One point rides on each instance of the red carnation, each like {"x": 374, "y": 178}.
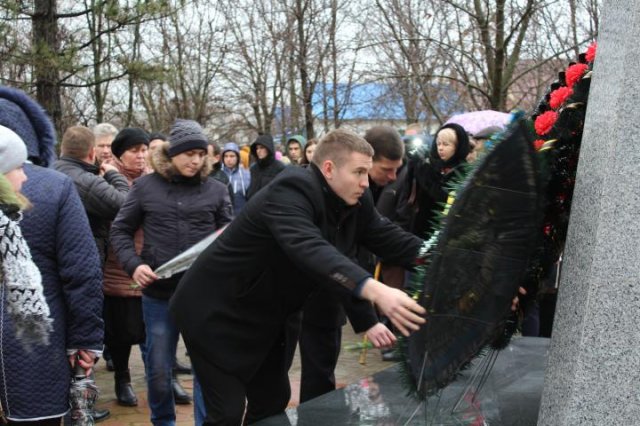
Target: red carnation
{"x": 559, "y": 96}
{"x": 537, "y": 144}
{"x": 591, "y": 51}
{"x": 544, "y": 123}
{"x": 574, "y": 73}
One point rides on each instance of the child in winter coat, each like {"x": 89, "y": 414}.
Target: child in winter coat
{"x": 446, "y": 160}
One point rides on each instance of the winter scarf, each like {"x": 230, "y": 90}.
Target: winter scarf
{"x": 129, "y": 173}
{"x": 20, "y": 280}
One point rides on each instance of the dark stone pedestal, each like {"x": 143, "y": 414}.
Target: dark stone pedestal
{"x": 509, "y": 397}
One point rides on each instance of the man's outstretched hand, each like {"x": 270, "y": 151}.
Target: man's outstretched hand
{"x": 380, "y": 336}
{"x": 404, "y": 312}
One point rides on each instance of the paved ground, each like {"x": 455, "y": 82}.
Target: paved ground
{"x": 349, "y": 370}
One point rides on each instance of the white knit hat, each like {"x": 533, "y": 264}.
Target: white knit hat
{"x": 13, "y": 151}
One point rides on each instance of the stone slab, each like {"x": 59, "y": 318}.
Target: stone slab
{"x": 510, "y": 397}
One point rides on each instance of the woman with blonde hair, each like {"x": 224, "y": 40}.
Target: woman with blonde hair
{"x": 25, "y": 318}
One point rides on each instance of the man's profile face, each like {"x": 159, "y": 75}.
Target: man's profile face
{"x": 351, "y": 179}
{"x": 103, "y": 148}
{"x": 213, "y": 158}
{"x": 294, "y": 150}
{"x": 383, "y": 171}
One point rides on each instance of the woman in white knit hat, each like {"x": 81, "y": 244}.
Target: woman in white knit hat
{"x": 24, "y": 313}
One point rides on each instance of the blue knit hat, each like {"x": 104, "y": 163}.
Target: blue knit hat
{"x": 186, "y": 135}
{"x": 28, "y": 120}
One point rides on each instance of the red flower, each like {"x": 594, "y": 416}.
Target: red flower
{"x": 591, "y": 51}
{"x": 537, "y": 144}
{"x": 574, "y": 73}
{"x": 559, "y": 96}
{"x": 544, "y": 123}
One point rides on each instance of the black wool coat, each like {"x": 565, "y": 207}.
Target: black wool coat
{"x": 323, "y": 309}
{"x": 233, "y": 302}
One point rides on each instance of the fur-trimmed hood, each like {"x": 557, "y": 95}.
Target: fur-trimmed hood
{"x": 161, "y": 164}
{"x": 29, "y": 120}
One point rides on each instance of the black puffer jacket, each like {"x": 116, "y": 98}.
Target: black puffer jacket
{"x": 264, "y": 170}
{"x": 175, "y": 213}
{"x": 101, "y": 196}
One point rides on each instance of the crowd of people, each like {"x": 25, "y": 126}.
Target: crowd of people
{"x": 83, "y": 234}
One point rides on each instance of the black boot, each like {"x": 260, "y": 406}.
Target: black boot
{"x": 180, "y": 396}
{"x": 100, "y": 415}
{"x": 124, "y": 391}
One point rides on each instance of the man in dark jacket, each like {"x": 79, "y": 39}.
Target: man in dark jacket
{"x": 177, "y": 206}
{"x": 302, "y": 233}
{"x": 323, "y": 315}
{"x": 266, "y": 166}
{"x": 102, "y": 189}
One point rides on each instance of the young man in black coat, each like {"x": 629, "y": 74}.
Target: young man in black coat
{"x": 303, "y": 232}
{"x": 323, "y": 315}
{"x": 266, "y": 166}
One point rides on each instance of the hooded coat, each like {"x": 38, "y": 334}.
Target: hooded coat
{"x": 433, "y": 178}
{"x": 303, "y": 143}
{"x": 239, "y": 179}
{"x": 36, "y": 386}
{"x": 234, "y": 301}
{"x": 263, "y": 170}
{"x": 174, "y": 212}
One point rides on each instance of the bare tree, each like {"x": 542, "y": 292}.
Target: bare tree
{"x": 276, "y": 66}
{"x": 480, "y": 50}
{"x": 256, "y": 62}
{"x": 404, "y": 36}
{"x": 68, "y": 48}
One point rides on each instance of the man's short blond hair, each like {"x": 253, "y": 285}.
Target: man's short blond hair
{"x": 338, "y": 145}
{"x": 77, "y": 142}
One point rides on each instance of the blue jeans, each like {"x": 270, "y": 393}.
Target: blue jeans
{"x": 199, "y": 411}
{"x": 161, "y": 343}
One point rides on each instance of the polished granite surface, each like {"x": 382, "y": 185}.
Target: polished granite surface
{"x": 510, "y": 396}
